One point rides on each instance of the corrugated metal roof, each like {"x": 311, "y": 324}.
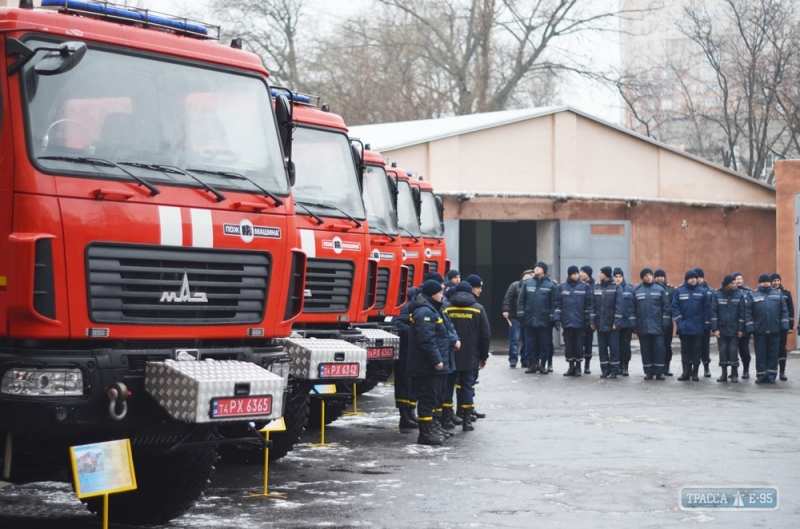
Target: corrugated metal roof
{"x": 393, "y": 136}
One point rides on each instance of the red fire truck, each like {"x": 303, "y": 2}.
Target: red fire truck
{"x": 341, "y": 279}
{"x": 431, "y": 221}
{"x": 149, "y": 243}
{"x": 408, "y": 207}
{"x": 380, "y": 199}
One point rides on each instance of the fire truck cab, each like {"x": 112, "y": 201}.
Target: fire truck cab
{"x": 341, "y": 278}
{"x": 431, "y": 223}
{"x": 408, "y": 207}
{"x": 149, "y": 243}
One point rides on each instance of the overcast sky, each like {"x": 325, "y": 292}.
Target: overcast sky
{"x": 576, "y": 92}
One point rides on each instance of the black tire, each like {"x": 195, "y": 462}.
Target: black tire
{"x": 168, "y": 486}
{"x": 333, "y": 410}
{"x": 366, "y": 385}
{"x": 296, "y": 417}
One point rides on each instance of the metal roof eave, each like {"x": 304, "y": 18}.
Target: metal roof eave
{"x": 563, "y": 197}
{"x": 546, "y": 111}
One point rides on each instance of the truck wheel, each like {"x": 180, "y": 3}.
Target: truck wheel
{"x": 366, "y": 385}
{"x": 333, "y": 410}
{"x": 296, "y": 417}
{"x": 168, "y": 486}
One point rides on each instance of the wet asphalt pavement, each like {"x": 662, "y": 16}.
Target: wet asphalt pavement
{"x": 552, "y": 452}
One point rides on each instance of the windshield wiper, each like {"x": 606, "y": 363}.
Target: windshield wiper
{"x": 316, "y": 217}
{"x": 410, "y": 234}
{"x": 329, "y": 206}
{"x": 238, "y": 176}
{"x": 174, "y": 170}
{"x": 104, "y": 163}
{"x": 382, "y": 232}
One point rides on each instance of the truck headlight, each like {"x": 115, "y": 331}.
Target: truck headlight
{"x": 42, "y": 382}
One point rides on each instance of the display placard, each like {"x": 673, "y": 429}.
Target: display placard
{"x": 102, "y": 468}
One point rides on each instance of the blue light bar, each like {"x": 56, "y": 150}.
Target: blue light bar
{"x": 131, "y": 15}
{"x": 298, "y": 98}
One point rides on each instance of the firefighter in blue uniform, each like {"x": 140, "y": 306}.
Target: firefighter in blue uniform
{"x": 536, "y": 307}
{"x": 472, "y": 325}
{"x": 776, "y": 284}
{"x": 652, "y": 314}
{"x": 627, "y": 323}
{"x": 442, "y": 413}
{"x": 574, "y": 311}
{"x": 691, "y": 308}
{"x": 428, "y": 349}
{"x": 705, "y": 344}
{"x": 588, "y": 338}
{"x": 767, "y": 317}
{"x": 608, "y": 316}
{"x": 660, "y": 277}
{"x": 404, "y": 399}
{"x": 744, "y": 341}
{"x": 727, "y": 324}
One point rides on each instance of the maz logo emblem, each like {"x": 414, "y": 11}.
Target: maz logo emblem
{"x": 185, "y": 295}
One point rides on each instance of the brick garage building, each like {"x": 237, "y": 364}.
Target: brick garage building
{"x": 557, "y": 185}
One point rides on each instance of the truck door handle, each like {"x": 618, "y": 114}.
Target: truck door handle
{"x": 251, "y": 205}
{"x": 100, "y": 194}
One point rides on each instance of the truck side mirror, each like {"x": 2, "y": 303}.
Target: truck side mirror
{"x": 283, "y": 112}
{"x": 440, "y": 209}
{"x": 416, "y": 194}
{"x": 393, "y": 191}
{"x": 60, "y": 59}
{"x": 360, "y": 167}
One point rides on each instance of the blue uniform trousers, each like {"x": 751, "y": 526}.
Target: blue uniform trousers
{"x": 466, "y": 389}
{"x": 608, "y": 348}
{"x": 652, "y": 348}
{"x": 537, "y": 344}
{"x": 767, "y": 346}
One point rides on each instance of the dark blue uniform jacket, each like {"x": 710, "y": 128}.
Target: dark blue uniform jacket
{"x": 536, "y": 303}
{"x": 727, "y": 312}
{"x": 607, "y": 306}
{"x": 574, "y": 305}
{"x": 767, "y": 312}
{"x": 652, "y": 310}
{"x": 691, "y": 308}
{"x": 428, "y": 339}
{"x": 472, "y": 325}
{"x": 628, "y": 312}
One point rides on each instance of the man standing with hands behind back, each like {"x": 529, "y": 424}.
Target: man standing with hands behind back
{"x": 536, "y": 308}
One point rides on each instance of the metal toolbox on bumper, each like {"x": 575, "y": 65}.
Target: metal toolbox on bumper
{"x": 310, "y": 355}
{"x": 378, "y": 342}
{"x": 196, "y": 391}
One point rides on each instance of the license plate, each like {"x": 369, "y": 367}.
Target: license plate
{"x": 349, "y": 370}
{"x": 240, "y": 406}
{"x": 380, "y": 352}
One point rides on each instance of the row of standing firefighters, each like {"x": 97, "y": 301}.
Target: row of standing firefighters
{"x": 616, "y": 311}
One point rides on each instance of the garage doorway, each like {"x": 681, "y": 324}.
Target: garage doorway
{"x": 498, "y": 251}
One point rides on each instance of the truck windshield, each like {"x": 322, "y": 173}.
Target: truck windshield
{"x": 406, "y": 214}
{"x": 144, "y": 113}
{"x": 326, "y": 174}
{"x": 381, "y": 215}
{"x": 429, "y": 217}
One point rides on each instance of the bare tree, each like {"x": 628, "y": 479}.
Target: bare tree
{"x": 270, "y": 29}
{"x": 740, "y": 115}
{"x": 488, "y": 48}
{"x": 371, "y": 72}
